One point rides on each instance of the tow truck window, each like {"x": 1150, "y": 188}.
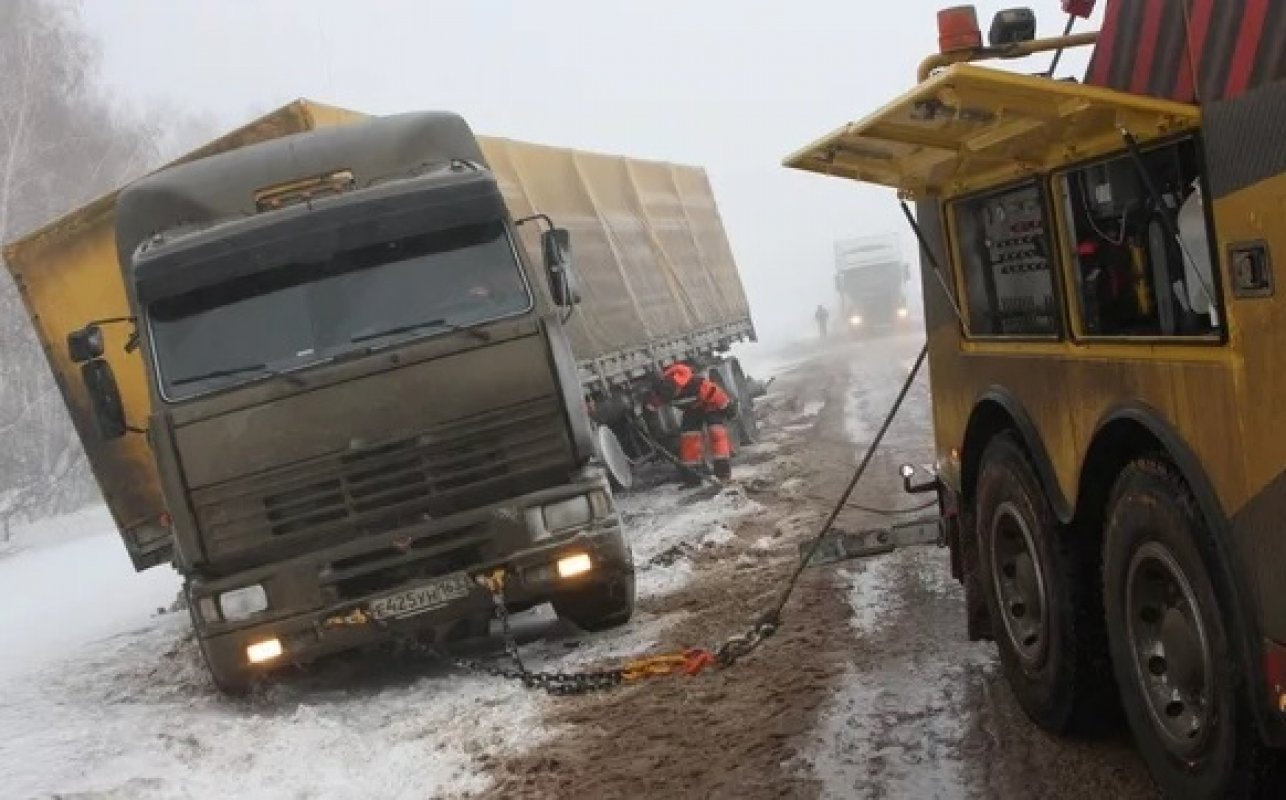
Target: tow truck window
{"x": 1142, "y": 263}
{"x": 1004, "y": 252}
{"x": 300, "y": 313}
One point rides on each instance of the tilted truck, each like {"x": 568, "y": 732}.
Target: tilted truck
{"x": 870, "y": 277}
{"x": 1105, "y": 351}
{"x": 330, "y": 368}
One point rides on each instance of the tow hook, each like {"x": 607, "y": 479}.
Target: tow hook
{"x": 909, "y": 471}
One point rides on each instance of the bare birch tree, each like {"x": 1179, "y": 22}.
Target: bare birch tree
{"x": 63, "y": 141}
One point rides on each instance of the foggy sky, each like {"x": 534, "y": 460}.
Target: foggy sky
{"x": 731, "y": 86}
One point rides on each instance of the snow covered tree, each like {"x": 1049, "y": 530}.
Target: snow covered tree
{"x": 63, "y": 141}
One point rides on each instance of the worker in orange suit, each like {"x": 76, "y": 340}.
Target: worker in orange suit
{"x": 706, "y": 407}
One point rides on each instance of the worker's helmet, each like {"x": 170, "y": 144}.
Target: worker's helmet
{"x": 679, "y": 374}
{"x": 667, "y": 383}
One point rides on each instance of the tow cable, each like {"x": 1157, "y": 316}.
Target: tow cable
{"x": 693, "y": 661}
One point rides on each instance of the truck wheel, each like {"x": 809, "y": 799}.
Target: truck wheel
{"x": 1041, "y": 596}
{"x": 1180, "y": 685}
{"x": 747, "y": 423}
{"x": 229, "y": 677}
{"x": 742, "y": 434}
{"x": 610, "y": 452}
{"x": 599, "y": 606}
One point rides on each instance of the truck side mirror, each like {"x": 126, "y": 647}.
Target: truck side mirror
{"x": 85, "y": 344}
{"x": 105, "y": 397}
{"x": 556, "y": 246}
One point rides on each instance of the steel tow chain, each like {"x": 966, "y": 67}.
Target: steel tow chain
{"x": 690, "y": 662}
{"x": 741, "y": 645}
{"x": 555, "y": 683}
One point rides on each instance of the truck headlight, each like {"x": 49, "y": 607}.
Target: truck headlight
{"x": 267, "y": 650}
{"x": 568, "y": 513}
{"x": 855, "y": 320}
{"x": 243, "y": 603}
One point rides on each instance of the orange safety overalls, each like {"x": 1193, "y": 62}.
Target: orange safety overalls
{"x": 705, "y": 407}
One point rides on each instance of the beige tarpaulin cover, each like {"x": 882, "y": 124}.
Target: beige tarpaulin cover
{"x": 648, "y": 245}
{"x": 647, "y": 242}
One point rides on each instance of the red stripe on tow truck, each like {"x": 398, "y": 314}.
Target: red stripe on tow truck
{"x": 1248, "y": 38}
{"x": 1147, "y": 46}
{"x": 1106, "y": 44}
{"x": 1196, "y": 38}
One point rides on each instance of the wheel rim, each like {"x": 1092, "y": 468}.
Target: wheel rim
{"x": 614, "y": 458}
{"x": 1168, "y": 640}
{"x": 1019, "y": 584}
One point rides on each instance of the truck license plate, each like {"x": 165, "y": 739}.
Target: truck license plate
{"x": 425, "y": 597}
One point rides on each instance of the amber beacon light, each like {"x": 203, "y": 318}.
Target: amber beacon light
{"x": 958, "y": 29}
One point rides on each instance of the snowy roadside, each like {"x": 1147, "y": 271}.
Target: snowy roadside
{"x": 122, "y": 707}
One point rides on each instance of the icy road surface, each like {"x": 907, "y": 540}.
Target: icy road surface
{"x": 869, "y": 690}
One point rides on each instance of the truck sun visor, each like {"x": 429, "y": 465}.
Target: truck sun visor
{"x": 303, "y": 234}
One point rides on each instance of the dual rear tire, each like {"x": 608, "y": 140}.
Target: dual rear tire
{"x": 1044, "y": 612}
{"x": 1137, "y": 626}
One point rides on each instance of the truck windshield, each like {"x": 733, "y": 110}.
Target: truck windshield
{"x": 286, "y": 317}
{"x": 872, "y": 277}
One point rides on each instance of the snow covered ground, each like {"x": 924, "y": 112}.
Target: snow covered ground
{"x": 67, "y": 581}
{"x": 105, "y": 695}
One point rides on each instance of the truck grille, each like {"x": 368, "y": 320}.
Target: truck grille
{"x": 443, "y": 470}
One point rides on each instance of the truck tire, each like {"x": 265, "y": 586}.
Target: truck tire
{"x": 1042, "y": 597}
{"x": 231, "y": 680}
{"x": 663, "y": 426}
{"x": 724, "y": 375}
{"x": 1182, "y": 690}
{"x": 747, "y": 422}
{"x": 598, "y": 606}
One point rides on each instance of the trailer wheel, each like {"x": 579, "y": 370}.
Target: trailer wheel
{"x": 599, "y": 606}
{"x": 743, "y": 428}
{"x": 1180, "y": 685}
{"x": 747, "y": 422}
{"x": 1038, "y": 589}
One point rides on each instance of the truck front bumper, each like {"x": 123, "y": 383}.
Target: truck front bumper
{"x": 321, "y": 603}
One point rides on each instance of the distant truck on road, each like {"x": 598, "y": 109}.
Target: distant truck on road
{"x": 337, "y": 367}
{"x": 870, "y": 276}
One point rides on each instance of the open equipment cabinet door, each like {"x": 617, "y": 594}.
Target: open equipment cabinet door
{"x": 970, "y": 128}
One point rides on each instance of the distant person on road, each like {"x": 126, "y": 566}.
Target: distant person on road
{"x": 706, "y": 408}
{"x": 823, "y": 317}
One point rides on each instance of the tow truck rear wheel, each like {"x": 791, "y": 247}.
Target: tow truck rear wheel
{"x": 1036, "y": 584}
{"x": 1181, "y": 688}
{"x": 598, "y": 606}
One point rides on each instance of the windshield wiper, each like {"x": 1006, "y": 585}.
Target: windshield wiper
{"x": 218, "y": 373}
{"x": 480, "y": 335}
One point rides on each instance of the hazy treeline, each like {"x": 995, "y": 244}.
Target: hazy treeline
{"x": 64, "y": 140}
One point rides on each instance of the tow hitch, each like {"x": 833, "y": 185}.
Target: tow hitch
{"x": 839, "y": 545}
